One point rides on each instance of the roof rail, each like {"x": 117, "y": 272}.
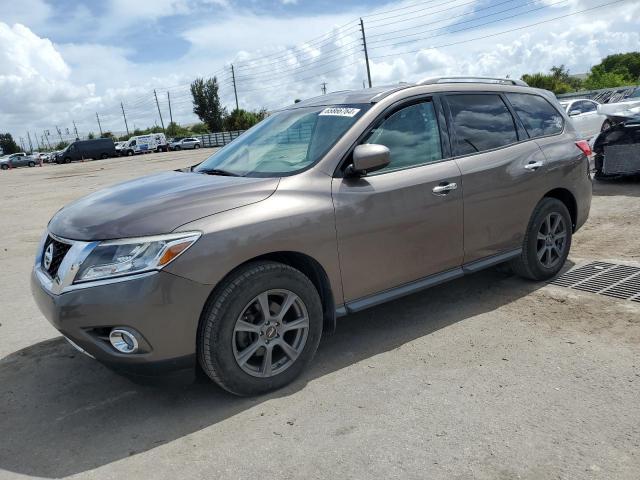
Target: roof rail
{"x": 499, "y": 81}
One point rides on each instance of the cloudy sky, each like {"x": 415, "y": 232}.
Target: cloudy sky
{"x": 63, "y": 61}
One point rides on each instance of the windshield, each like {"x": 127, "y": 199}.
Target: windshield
{"x": 635, "y": 94}
{"x": 284, "y": 143}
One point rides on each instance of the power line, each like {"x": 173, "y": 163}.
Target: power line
{"x": 549, "y": 5}
{"x": 395, "y": 54}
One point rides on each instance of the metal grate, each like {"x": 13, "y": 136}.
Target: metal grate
{"x": 610, "y": 279}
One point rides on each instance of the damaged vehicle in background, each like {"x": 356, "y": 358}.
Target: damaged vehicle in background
{"x": 617, "y": 149}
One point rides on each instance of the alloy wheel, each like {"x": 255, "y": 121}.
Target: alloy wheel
{"x": 552, "y": 240}
{"x": 270, "y": 333}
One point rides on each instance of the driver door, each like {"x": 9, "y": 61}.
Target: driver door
{"x": 392, "y": 226}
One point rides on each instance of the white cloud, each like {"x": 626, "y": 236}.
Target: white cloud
{"x": 43, "y": 83}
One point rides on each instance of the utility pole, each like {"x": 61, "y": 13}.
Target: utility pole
{"x": 158, "y": 105}
{"x": 46, "y": 135}
{"x": 366, "y": 52}
{"x": 169, "y": 100}
{"x": 125, "y": 119}
{"x": 30, "y": 144}
{"x": 59, "y": 133}
{"x": 99, "y": 126}
{"x": 324, "y": 88}
{"x": 75, "y": 129}
{"x": 35, "y": 135}
{"x": 235, "y": 89}
{"x": 22, "y": 144}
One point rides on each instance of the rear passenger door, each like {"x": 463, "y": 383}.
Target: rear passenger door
{"x": 502, "y": 173}
{"x": 587, "y": 122}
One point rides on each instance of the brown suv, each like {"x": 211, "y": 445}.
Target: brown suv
{"x": 328, "y": 207}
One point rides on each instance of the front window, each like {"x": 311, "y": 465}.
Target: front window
{"x": 284, "y": 143}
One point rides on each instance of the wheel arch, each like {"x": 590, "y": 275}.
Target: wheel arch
{"x": 569, "y": 200}
{"x": 312, "y": 269}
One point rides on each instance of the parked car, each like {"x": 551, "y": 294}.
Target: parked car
{"x": 585, "y": 116}
{"x": 119, "y": 146}
{"x": 87, "y": 149}
{"x": 15, "y": 160}
{"x": 154, "y": 142}
{"x": 329, "y": 207}
{"x": 186, "y": 143}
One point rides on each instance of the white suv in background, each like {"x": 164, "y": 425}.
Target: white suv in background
{"x": 585, "y": 117}
{"x": 186, "y": 143}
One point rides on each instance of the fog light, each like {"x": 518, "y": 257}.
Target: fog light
{"x": 123, "y": 341}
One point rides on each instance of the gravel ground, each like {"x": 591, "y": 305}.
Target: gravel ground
{"x": 487, "y": 377}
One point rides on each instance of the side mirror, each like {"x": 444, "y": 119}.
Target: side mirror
{"x": 369, "y": 158}
{"x": 573, "y": 113}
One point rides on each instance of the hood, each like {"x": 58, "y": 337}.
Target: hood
{"x": 620, "y": 111}
{"x": 156, "y": 204}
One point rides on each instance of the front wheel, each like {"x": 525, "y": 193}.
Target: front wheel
{"x": 4, "y": 166}
{"x": 606, "y": 125}
{"x": 196, "y": 146}
{"x": 32, "y": 164}
{"x": 546, "y": 243}
{"x": 260, "y": 329}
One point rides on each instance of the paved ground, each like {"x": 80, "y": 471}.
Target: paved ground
{"x": 488, "y": 377}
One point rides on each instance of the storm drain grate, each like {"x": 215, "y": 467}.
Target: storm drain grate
{"x": 610, "y": 279}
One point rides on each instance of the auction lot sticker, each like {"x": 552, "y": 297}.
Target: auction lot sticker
{"x": 340, "y": 112}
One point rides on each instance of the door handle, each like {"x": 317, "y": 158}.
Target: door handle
{"x": 444, "y": 188}
{"x": 533, "y": 166}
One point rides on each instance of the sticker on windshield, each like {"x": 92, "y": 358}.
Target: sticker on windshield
{"x": 340, "y": 112}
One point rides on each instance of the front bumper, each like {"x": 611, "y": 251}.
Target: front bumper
{"x": 164, "y": 309}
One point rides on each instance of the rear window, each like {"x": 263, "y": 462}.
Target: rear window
{"x": 480, "y": 122}
{"x": 538, "y": 116}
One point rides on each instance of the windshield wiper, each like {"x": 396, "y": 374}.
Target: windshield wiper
{"x": 218, "y": 171}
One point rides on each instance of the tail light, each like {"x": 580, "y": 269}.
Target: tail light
{"x": 585, "y": 147}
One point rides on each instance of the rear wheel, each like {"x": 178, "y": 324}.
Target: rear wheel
{"x": 32, "y": 164}
{"x": 547, "y": 241}
{"x": 4, "y": 166}
{"x": 104, "y": 156}
{"x": 196, "y": 146}
{"x": 606, "y": 125}
{"x": 177, "y": 147}
{"x": 67, "y": 160}
{"x": 260, "y": 329}
{"x": 129, "y": 153}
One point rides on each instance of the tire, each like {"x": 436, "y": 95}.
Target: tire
{"x": 219, "y": 338}
{"x": 196, "y": 146}
{"x": 104, "y": 156}
{"x": 32, "y": 164}
{"x": 129, "y": 153}
{"x": 67, "y": 160}
{"x": 176, "y": 147}
{"x": 530, "y": 264}
{"x": 4, "y": 166}
{"x": 606, "y": 125}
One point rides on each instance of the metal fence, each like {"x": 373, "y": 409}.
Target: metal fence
{"x": 605, "y": 95}
{"x": 219, "y": 139}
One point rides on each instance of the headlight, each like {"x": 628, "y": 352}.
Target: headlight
{"x": 115, "y": 258}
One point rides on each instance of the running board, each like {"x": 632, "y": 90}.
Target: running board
{"x": 424, "y": 283}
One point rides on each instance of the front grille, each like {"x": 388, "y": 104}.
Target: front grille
{"x": 59, "y": 250}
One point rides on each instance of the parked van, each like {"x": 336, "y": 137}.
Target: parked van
{"x": 155, "y": 142}
{"x": 87, "y": 149}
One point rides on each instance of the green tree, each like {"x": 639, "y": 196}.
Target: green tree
{"x": 8, "y": 144}
{"x": 558, "y": 80}
{"x": 175, "y": 130}
{"x": 206, "y": 103}
{"x": 599, "y": 78}
{"x": 107, "y": 135}
{"x": 91, "y": 136}
{"x": 240, "y": 119}
{"x": 625, "y": 64}
{"x": 61, "y": 145}
{"x": 198, "y": 128}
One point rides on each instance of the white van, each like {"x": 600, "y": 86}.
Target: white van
{"x": 154, "y": 142}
